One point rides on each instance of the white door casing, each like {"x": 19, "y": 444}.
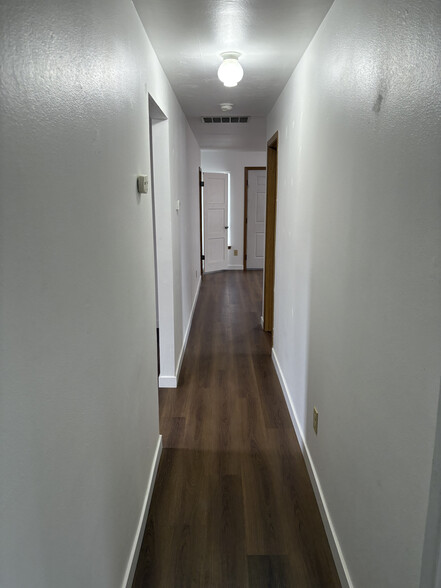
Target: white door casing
{"x": 215, "y": 199}
{"x": 256, "y": 206}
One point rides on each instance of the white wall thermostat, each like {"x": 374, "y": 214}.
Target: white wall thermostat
{"x": 143, "y": 184}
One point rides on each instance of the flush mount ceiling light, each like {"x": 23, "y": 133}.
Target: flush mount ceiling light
{"x": 230, "y": 71}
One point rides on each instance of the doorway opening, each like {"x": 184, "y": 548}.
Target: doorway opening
{"x": 270, "y": 234}
{"x": 162, "y": 239}
{"x": 201, "y": 224}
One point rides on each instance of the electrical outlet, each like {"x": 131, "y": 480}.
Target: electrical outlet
{"x": 236, "y": 252}
{"x": 315, "y": 420}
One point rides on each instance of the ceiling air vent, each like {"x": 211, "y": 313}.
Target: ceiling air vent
{"x": 224, "y": 119}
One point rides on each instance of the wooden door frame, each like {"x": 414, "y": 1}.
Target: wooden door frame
{"x": 245, "y": 213}
{"x": 200, "y": 221}
{"x": 270, "y": 233}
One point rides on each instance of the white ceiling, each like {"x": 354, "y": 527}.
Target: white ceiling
{"x": 245, "y": 137}
{"x": 189, "y": 35}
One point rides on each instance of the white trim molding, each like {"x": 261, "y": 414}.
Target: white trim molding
{"x": 167, "y": 382}
{"x": 136, "y": 547}
{"x": 334, "y": 543}
{"x": 172, "y": 381}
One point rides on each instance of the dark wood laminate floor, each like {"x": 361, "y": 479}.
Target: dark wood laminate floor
{"x": 232, "y": 505}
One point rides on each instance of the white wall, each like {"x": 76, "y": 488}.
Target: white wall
{"x": 78, "y": 388}
{"x": 189, "y": 233}
{"x": 358, "y": 257}
{"x": 234, "y": 163}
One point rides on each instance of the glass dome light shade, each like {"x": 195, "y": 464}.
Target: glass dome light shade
{"x": 230, "y": 71}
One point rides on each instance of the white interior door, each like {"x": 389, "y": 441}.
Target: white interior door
{"x": 215, "y": 200}
{"x": 256, "y": 218}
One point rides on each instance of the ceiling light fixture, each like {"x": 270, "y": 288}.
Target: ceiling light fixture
{"x": 230, "y": 71}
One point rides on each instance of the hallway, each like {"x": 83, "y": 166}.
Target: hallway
{"x": 232, "y": 504}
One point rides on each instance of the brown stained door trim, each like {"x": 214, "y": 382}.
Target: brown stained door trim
{"x": 270, "y": 233}
{"x": 245, "y": 213}
{"x": 200, "y": 221}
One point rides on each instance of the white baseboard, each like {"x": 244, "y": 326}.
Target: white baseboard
{"x": 334, "y": 544}
{"x": 172, "y": 381}
{"x": 168, "y": 382}
{"x": 235, "y": 267}
{"x": 136, "y": 547}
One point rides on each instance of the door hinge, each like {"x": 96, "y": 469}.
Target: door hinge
{"x": 202, "y": 184}
{"x": 203, "y": 257}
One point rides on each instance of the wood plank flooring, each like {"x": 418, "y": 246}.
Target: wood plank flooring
{"x": 232, "y": 505}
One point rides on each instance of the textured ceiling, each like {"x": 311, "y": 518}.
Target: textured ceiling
{"x": 189, "y": 35}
